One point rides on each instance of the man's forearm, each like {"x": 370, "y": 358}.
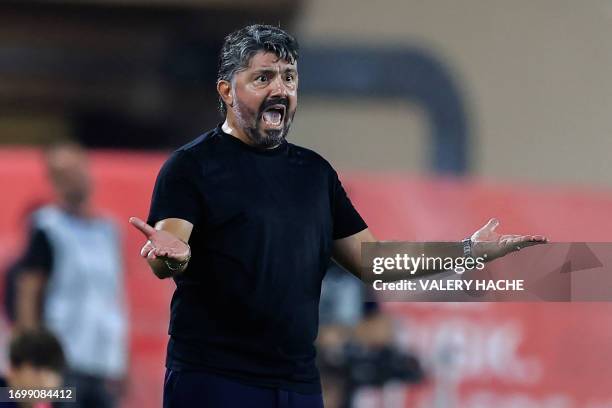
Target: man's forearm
{"x": 30, "y": 286}
{"x": 348, "y": 253}
{"x": 425, "y": 259}
{"x": 422, "y": 253}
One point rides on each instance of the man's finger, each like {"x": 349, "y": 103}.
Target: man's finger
{"x": 524, "y": 241}
{"x": 146, "y": 248}
{"x": 531, "y": 243}
{"x": 515, "y": 239}
{"x": 142, "y": 226}
{"x": 151, "y": 254}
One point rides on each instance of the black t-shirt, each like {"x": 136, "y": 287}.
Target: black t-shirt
{"x": 264, "y": 222}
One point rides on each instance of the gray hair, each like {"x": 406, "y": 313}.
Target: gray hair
{"x": 240, "y": 46}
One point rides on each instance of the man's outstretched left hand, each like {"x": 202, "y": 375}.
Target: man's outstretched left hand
{"x": 489, "y": 244}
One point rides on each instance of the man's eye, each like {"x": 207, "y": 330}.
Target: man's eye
{"x": 261, "y": 78}
{"x": 289, "y": 77}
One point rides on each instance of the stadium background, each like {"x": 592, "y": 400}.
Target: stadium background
{"x": 441, "y": 113}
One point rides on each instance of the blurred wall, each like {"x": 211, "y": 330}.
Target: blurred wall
{"x": 535, "y": 75}
{"x": 137, "y": 75}
{"x": 353, "y": 134}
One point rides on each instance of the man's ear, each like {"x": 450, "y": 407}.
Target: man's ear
{"x": 224, "y": 88}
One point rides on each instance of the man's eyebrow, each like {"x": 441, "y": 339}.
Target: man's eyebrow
{"x": 264, "y": 70}
{"x": 272, "y": 70}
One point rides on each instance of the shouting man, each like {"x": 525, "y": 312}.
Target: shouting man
{"x": 245, "y": 223}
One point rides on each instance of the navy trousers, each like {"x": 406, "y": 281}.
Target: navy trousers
{"x": 196, "y": 389}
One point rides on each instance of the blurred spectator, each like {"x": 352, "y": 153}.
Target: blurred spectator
{"x": 71, "y": 281}
{"x": 36, "y": 360}
{"x": 355, "y": 342}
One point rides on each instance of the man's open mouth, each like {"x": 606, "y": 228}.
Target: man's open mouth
{"x": 273, "y": 115}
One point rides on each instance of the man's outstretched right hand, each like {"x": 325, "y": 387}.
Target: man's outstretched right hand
{"x": 161, "y": 244}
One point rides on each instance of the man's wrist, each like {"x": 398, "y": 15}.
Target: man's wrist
{"x": 175, "y": 266}
{"x": 467, "y": 248}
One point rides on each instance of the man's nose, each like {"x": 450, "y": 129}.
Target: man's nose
{"x": 279, "y": 88}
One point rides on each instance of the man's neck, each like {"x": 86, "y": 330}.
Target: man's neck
{"x": 77, "y": 210}
{"x": 235, "y": 132}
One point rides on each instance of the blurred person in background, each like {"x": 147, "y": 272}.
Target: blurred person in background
{"x": 71, "y": 281}
{"x": 36, "y": 361}
{"x": 355, "y": 346}
{"x": 264, "y": 218}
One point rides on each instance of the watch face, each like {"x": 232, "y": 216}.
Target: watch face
{"x": 467, "y": 247}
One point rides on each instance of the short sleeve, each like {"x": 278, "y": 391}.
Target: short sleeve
{"x": 176, "y": 193}
{"x": 39, "y": 254}
{"x": 347, "y": 220}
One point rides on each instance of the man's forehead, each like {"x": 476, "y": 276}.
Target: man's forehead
{"x": 267, "y": 59}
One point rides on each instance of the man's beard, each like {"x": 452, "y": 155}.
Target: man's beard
{"x": 265, "y": 138}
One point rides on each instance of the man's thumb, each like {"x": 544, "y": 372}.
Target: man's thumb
{"x": 492, "y": 224}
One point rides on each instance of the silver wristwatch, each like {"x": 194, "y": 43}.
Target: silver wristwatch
{"x": 467, "y": 247}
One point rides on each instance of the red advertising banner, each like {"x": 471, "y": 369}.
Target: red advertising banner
{"x": 524, "y": 355}
{"x": 483, "y": 355}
